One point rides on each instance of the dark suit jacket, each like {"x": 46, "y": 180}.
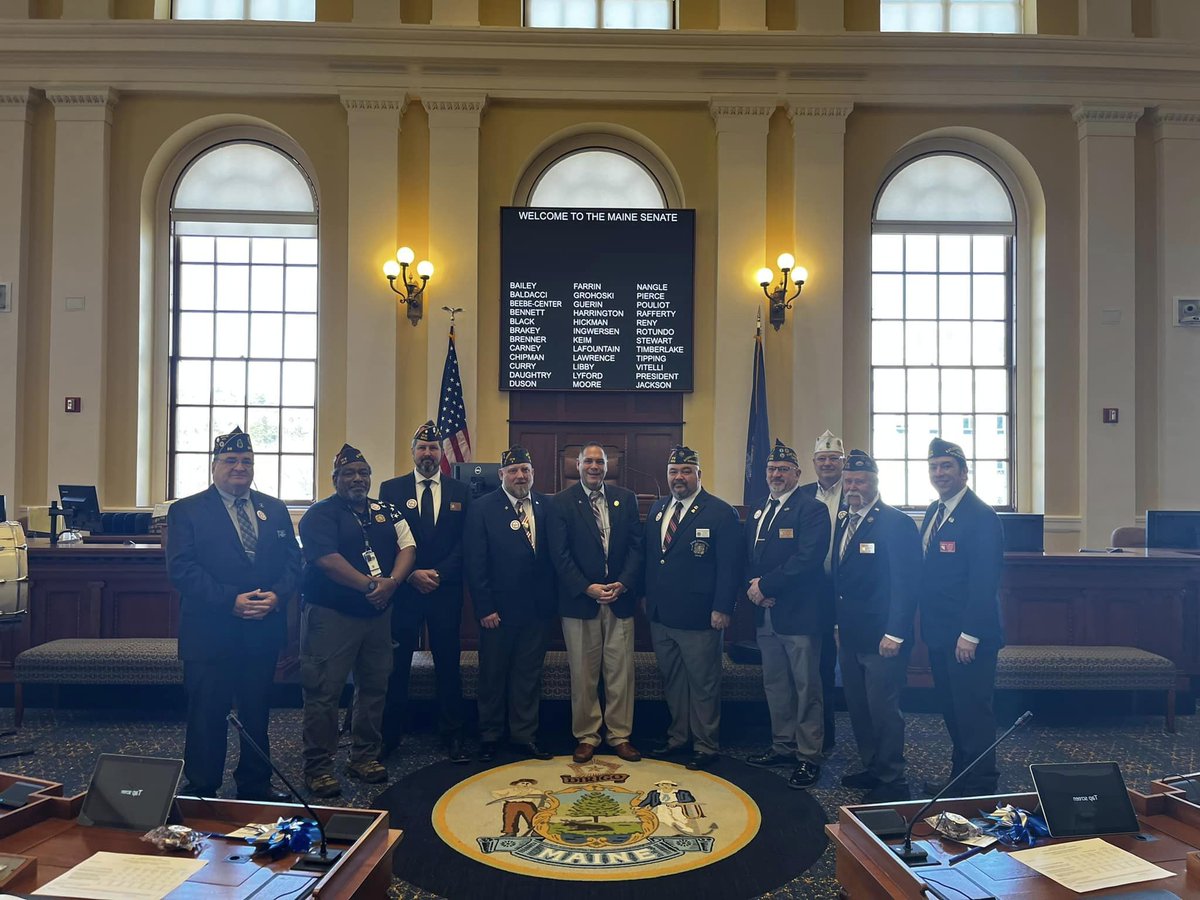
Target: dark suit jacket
{"x": 441, "y": 549}
{"x": 209, "y": 568}
{"x": 578, "y": 551}
{"x": 960, "y": 578}
{"x": 504, "y": 573}
{"x": 876, "y": 584}
{"x": 790, "y": 565}
{"x": 699, "y": 573}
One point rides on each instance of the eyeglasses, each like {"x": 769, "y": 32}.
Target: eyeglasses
{"x": 780, "y": 470}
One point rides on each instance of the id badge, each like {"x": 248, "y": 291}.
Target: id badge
{"x": 372, "y": 563}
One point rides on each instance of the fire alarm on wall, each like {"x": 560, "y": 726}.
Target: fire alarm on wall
{"x": 74, "y": 404}
{"x": 1110, "y": 415}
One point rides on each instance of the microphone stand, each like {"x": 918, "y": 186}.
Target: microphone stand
{"x": 316, "y": 859}
{"x": 916, "y": 856}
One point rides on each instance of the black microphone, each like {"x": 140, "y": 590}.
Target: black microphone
{"x": 657, "y": 485}
{"x": 917, "y": 856}
{"x": 316, "y": 858}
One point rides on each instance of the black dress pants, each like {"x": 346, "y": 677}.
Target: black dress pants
{"x": 965, "y": 694}
{"x": 446, "y": 647}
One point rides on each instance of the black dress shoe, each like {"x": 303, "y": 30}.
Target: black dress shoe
{"x": 390, "y": 746}
{"x": 769, "y": 758}
{"x": 666, "y": 748}
{"x": 860, "y": 781}
{"x": 268, "y": 795}
{"x": 888, "y": 792}
{"x": 932, "y": 788}
{"x": 703, "y": 761}
{"x": 532, "y": 750}
{"x": 805, "y": 775}
{"x": 487, "y": 751}
{"x": 455, "y": 752}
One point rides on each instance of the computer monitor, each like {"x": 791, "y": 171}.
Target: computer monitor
{"x": 1023, "y": 532}
{"x": 1173, "y": 529}
{"x": 83, "y": 504}
{"x": 481, "y": 478}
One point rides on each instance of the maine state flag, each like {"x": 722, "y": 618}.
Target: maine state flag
{"x": 758, "y": 430}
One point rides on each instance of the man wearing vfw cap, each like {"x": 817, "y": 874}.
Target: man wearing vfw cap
{"x": 876, "y": 570}
{"x": 511, "y": 578}
{"x": 828, "y": 459}
{"x": 786, "y": 539}
{"x": 233, "y": 557}
{"x": 693, "y": 571}
{"x": 435, "y": 508}
{"x": 357, "y": 550}
{"x": 963, "y": 543}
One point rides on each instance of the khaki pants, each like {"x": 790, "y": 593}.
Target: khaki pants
{"x": 595, "y": 646}
{"x": 690, "y": 663}
{"x": 791, "y": 666}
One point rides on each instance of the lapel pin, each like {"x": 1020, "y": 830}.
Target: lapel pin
{"x": 658, "y": 518}
{"x": 616, "y": 503}
{"x": 758, "y": 514}
{"x": 261, "y": 515}
{"x": 514, "y": 525}
{"x": 376, "y": 506}
{"x": 380, "y": 518}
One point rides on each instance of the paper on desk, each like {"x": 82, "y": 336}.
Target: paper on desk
{"x": 123, "y": 876}
{"x": 1089, "y": 865}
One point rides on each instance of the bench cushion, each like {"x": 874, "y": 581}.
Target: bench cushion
{"x": 101, "y": 661}
{"x": 1055, "y": 667}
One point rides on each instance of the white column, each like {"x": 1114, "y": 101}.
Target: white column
{"x": 1177, "y": 20}
{"x": 818, "y": 130}
{"x": 14, "y": 261}
{"x": 1105, "y": 18}
{"x": 87, "y": 9}
{"x": 455, "y": 12}
{"x": 741, "y": 125}
{"x": 1177, "y": 142}
{"x": 1106, "y": 319}
{"x": 376, "y": 12}
{"x": 742, "y": 15}
{"x": 374, "y": 136}
{"x": 820, "y": 16}
{"x": 79, "y": 284}
{"x": 454, "y": 244}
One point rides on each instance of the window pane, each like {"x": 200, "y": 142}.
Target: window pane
{"x": 920, "y": 253}
{"x": 296, "y": 477}
{"x": 597, "y": 178}
{"x": 297, "y": 433}
{"x": 893, "y": 482}
{"x": 233, "y": 250}
{"x": 991, "y": 437}
{"x": 263, "y": 387}
{"x": 263, "y": 426}
{"x": 910, "y": 15}
{"x": 244, "y": 176}
{"x": 960, "y": 430}
{"x": 231, "y": 334}
{"x": 991, "y": 481}
{"x": 224, "y": 418}
{"x": 301, "y": 252}
{"x": 991, "y": 390}
{"x": 300, "y": 336}
{"x": 954, "y": 343}
{"x": 196, "y": 249}
{"x": 954, "y": 253}
{"x": 229, "y": 383}
{"x": 195, "y": 334}
{"x": 944, "y": 187}
{"x": 301, "y": 289}
{"x": 888, "y": 393}
{"x": 923, "y": 391}
{"x": 887, "y": 253}
{"x": 887, "y": 296}
{"x": 954, "y": 297}
{"x": 299, "y": 383}
{"x": 991, "y": 297}
{"x": 991, "y": 252}
{"x": 887, "y": 343}
{"x": 266, "y": 473}
{"x": 191, "y": 473}
{"x": 191, "y": 428}
{"x": 195, "y": 287}
{"x": 887, "y": 437}
{"x": 266, "y": 250}
{"x": 233, "y": 287}
{"x": 920, "y": 296}
{"x": 266, "y": 287}
{"x": 921, "y": 344}
{"x": 920, "y": 491}
{"x": 989, "y": 344}
{"x": 956, "y": 391}
{"x": 266, "y": 334}
{"x": 193, "y": 381}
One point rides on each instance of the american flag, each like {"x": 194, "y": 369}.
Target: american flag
{"x": 452, "y": 414}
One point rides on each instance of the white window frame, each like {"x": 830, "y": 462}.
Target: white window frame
{"x": 247, "y": 6}
{"x": 599, "y": 17}
{"x": 1022, "y": 12}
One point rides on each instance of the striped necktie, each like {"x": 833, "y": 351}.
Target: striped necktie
{"x": 672, "y": 525}
{"x": 523, "y": 519}
{"x": 246, "y": 528}
{"x": 851, "y": 527}
{"x": 931, "y": 534}
{"x": 597, "y": 497}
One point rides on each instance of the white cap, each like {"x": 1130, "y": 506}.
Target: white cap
{"x": 829, "y": 443}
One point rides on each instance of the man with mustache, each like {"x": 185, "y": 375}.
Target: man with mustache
{"x": 511, "y": 578}
{"x": 693, "y": 554}
{"x": 960, "y": 614}
{"x": 357, "y": 551}
{"x": 786, "y": 539}
{"x": 435, "y": 508}
{"x": 876, "y": 568}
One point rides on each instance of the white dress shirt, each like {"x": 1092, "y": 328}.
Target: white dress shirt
{"x": 435, "y": 488}
{"x": 782, "y": 502}
{"x": 669, "y": 511}
{"x": 951, "y": 505}
{"x": 230, "y": 508}
{"x": 530, "y": 519}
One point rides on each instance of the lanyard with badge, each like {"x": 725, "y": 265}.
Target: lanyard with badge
{"x": 368, "y": 554}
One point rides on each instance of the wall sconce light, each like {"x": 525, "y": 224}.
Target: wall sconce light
{"x": 411, "y": 294}
{"x": 780, "y": 301}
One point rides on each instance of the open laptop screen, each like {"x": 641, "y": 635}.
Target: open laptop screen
{"x": 131, "y": 792}
{"x": 1084, "y": 799}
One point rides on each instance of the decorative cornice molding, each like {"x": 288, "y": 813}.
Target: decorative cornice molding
{"x": 806, "y": 108}
{"x": 436, "y": 103}
{"x": 106, "y": 97}
{"x": 1085, "y": 114}
{"x": 360, "y": 103}
{"x": 1166, "y": 115}
{"x": 454, "y": 110}
{"x": 736, "y": 107}
{"x": 18, "y": 97}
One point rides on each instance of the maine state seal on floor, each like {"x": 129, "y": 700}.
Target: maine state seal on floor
{"x": 604, "y": 820}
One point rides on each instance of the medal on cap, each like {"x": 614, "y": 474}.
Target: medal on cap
{"x": 411, "y": 504}
{"x": 381, "y": 518}
{"x": 262, "y": 515}
{"x": 514, "y": 525}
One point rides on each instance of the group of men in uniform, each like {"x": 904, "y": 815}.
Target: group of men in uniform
{"x": 378, "y": 570}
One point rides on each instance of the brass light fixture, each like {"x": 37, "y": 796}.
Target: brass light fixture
{"x": 780, "y": 301}
{"x": 411, "y": 293}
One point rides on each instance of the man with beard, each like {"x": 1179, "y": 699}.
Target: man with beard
{"x": 357, "y": 551}
{"x": 786, "y": 539}
{"x": 511, "y": 579}
{"x": 596, "y": 540}
{"x": 693, "y": 569}
{"x": 876, "y": 567}
{"x": 435, "y": 508}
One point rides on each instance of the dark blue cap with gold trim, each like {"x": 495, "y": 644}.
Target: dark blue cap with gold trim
{"x": 938, "y": 447}
{"x": 515, "y": 456}
{"x": 237, "y": 441}
{"x": 858, "y": 461}
{"x": 428, "y": 432}
{"x": 347, "y": 455}
{"x": 783, "y": 453}
{"x": 683, "y": 456}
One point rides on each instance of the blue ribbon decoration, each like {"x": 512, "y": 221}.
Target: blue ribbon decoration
{"x": 294, "y": 835}
{"x": 1015, "y": 827}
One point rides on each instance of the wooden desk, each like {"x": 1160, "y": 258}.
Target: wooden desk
{"x": 868, "y": 869}
{"x": 46, "y": 829}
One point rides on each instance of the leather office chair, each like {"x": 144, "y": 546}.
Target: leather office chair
{"x": 1128, "y": 536}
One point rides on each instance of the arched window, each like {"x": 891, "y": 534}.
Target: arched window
{"x": 603, "y": 171}
{"x": 942, "y": 314}
{"x": 244, "y": 299}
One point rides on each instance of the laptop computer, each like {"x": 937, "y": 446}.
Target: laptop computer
{"x": 131, "y": 792}
{"x": 1083, "y": 799}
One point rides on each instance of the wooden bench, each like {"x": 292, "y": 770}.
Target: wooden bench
{"x": 96, "y": 661}
{"x": 1055, "y": 667}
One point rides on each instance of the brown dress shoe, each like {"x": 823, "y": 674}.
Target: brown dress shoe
{"x": 627, "y": 752}
{"x": 583, "y": 752}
